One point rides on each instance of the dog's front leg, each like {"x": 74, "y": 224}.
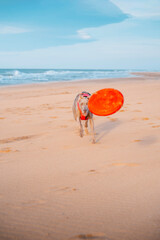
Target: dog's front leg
{"x": 81, "y": 127}
{"x": 92, "y": 129}
{"x": 86, "y": 127}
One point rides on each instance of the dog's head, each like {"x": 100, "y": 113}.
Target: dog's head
{"x": 83, "y": 104}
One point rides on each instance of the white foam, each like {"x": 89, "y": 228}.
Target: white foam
{"x": 50, "y": 72}
{"x": 16, "y": 73}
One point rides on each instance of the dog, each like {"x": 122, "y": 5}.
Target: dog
{"x": 82, "y": 113}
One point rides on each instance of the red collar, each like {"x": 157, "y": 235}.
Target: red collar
{"x": 82, "y": 116}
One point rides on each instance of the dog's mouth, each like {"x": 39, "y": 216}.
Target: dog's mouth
{"x": 85, "y": 113}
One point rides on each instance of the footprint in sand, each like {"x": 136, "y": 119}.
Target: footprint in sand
{"x": 44, "y": 148}
{"x": 113, "y": 119}
{"x": 5, "y": 150}
{"x": 13, "y": 139}
{"x": 68, "y": 189}
{"x": 54, "y": 117}
{"x": 90, "y": 236}
{"x": 8, "y": 150}
{"x": 156, "y": 126}
{"x": 137, "y": 140}
{"x": 63, "y": 189}
{"x": 92, "y": 170}
{"x": 145, "y": 118}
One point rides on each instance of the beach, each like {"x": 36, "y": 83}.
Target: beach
{"x": 56, "y": 185}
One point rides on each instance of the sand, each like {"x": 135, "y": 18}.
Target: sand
{"x": 56, "y": 185}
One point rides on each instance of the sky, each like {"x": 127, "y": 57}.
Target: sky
{"x": 90, "y": 34}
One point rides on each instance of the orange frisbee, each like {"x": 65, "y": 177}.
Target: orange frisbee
{"x": 105, "y": 102}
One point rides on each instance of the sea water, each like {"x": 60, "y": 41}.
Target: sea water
{"x": 27, "y": 76}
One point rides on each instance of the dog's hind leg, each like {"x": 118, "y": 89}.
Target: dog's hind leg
{"x": 81, "y": 127}
{"x": 74, "y": 110}
{"x": 92, "y": 129}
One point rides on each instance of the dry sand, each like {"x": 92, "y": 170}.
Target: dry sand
{"x": 56, "y": 185}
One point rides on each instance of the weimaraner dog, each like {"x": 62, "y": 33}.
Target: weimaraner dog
{"x": 82, "y": 113}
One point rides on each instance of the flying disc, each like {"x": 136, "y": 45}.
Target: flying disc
{"x": 105, "y": 102}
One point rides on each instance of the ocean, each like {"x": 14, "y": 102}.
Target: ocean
{"x": 28, "y": 76}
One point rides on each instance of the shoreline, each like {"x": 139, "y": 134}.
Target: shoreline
{"x": 136, "y": 76}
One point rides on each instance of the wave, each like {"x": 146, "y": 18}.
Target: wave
{"x": 16, "y": 73}
{"x": 52, "y": 72}
{"x": 12, "y": 73}
{"x": 20, "y": 76}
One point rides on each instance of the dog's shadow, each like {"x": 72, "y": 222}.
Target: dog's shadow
{"x": 104, "y": 128}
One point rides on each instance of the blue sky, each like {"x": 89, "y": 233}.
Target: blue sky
{"x": 80, "y": 34}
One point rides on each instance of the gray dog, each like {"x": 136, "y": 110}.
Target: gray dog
{"x": 81, "y": 112}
